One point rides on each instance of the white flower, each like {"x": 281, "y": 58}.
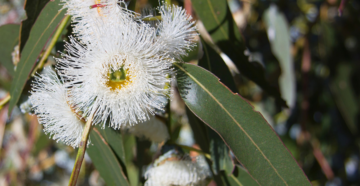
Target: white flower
{"x": 172, "y": 170}
{"x": 54, "y": 110}
{"x": 84, "y": 15}
{"x": 124, "y": 68}
{"x": 153, "y": 129}
{"x": 176, "y": 30}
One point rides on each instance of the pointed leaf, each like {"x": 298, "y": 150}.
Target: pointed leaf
{"x": 33, "y": 9}
{"x": 345, "y": 96}
{"x": 105, "y": 160}
{"x": 218, "y": 21}
{"x": 9, "y": 38}
{"x": 245, "y": 131}
{"x": 43, "y": 28}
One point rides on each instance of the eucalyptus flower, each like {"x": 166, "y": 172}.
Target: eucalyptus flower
{"x": 126, "y": 66}
{"x": 85, "y": 13}
{"x": 173, "y": 169}
{"x": 51, "y": 103}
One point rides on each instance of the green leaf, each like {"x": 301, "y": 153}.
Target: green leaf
{"x": 213, "y": 62}
{"x": 240, "y": 177}
{"x": 202, "y": 139}
{"x": 344, "y": 95}
{"x": 105, "y": 160}
{"x": 192, "y": 54}
{"x": 43, "y": 28}
{"x": 114, "y": 139}
{"x": 248, "y": 135}
{"x": 9, "y": 38}
{"x": 220, "y": 153}
{"x": 199, "y": 128}
{"x": 279, "y": 37}
{"x": 33, "y": 9}
{"x": 218, "y": 21}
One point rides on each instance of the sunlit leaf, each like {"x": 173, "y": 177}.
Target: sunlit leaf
{"x": 245, "y": 131}
{"x": 279, "y": 37}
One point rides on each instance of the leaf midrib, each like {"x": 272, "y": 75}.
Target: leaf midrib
{"x": 236, "y": 180}
{"x": 238, "y": 124}
{"x": 216, "y": 19}
{"x": 26, "y": 61}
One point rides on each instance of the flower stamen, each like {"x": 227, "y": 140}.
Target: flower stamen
{"x": 118, "y": 79}
{"x": 97, "y": 6}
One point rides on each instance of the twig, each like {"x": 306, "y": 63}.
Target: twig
{"x": 320, "y": 158}
{"x": 341, "y": 7}
{"x": 57, "y": 34}
{"x": 154, "y": 18}
{"x": 3, "y": 118}
{"x": 325, "y": 167}
{"x": 4, "y": 100}
{"x": 305, "y": 68}
{"x": 81, "y": 151}
{"x": 196, "y": 150}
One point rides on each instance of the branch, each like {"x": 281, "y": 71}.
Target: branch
{"x": 81, "y": 151}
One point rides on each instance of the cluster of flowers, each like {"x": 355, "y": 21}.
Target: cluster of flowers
{"x": 116, "y": 70}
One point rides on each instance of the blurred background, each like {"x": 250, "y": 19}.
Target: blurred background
{"x": 309, "y": 51}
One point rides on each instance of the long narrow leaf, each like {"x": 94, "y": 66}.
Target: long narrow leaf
{"x": 43, "y": 28}
{"x": 245, "y": 131}
{"x": 105, "y": 160}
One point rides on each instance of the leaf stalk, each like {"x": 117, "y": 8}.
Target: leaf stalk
{"x": 47, "y": 52}
{"x": 4, "y": 101}
{"x": 154, "y": 18}
{"x": 81, "y": 152}
{"x": 196, "y": 150}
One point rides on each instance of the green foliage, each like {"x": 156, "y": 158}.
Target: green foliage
{"x": 344, "y": 96}
{"x": 218, "y": 21}
{"x": 44, "y": 26}
{"x": 240, "y": 146}
{"x": 106, "y": 157}
{"x": 33, "y": 9}
{"x": 245, "y": 131}
{"x": 9, "y": 39}
{"x": 240, "y": 177}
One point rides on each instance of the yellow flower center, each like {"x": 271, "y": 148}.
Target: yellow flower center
{"x": 118, "y": 79}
